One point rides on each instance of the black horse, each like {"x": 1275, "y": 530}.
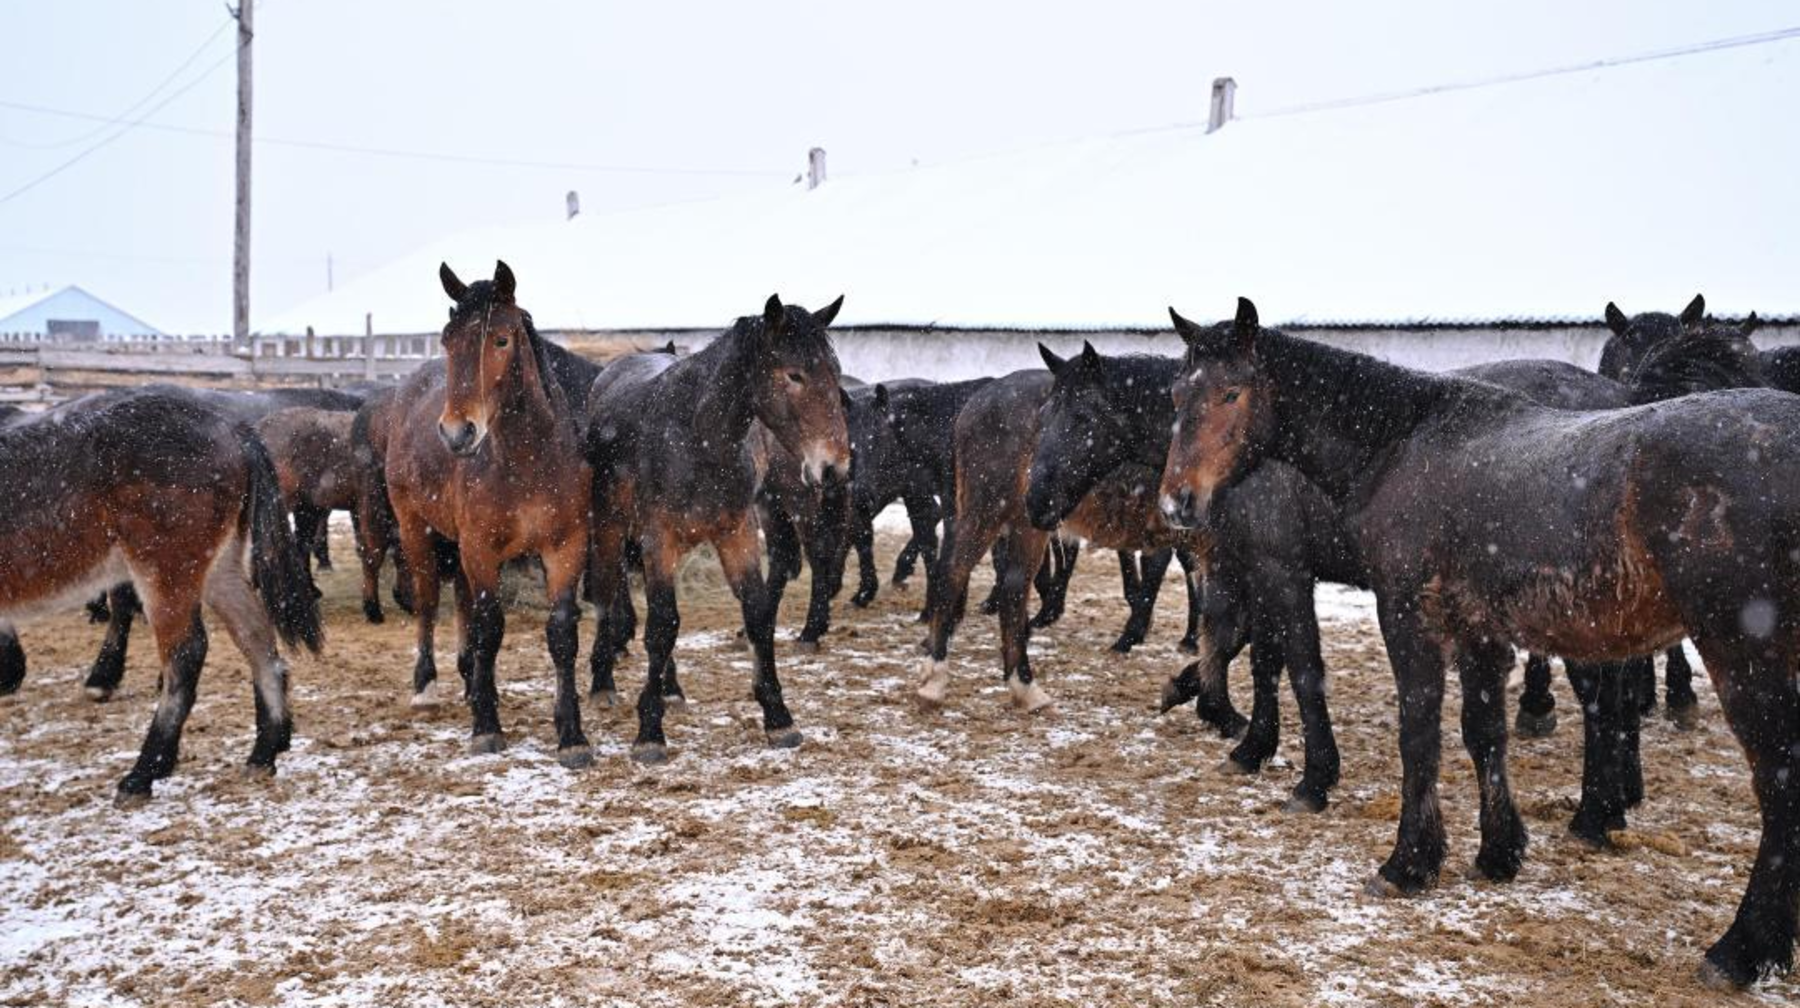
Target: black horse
{"x": 668, "y": 440}
{"x": 1489, "y": 522}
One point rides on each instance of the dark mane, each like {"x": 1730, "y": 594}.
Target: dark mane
{"x": 1695, "y": 360}
{"x": 479, "y": 299}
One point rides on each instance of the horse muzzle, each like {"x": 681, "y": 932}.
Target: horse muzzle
{"x": 462, "y": 438}
{"x": 1184, "y": 509}
{"x": 820, "y": 469}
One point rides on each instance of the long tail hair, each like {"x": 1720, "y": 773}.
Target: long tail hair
{"x": 277, "y": 565}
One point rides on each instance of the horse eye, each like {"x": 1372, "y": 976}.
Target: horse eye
{"x": 796, "y": 377}
{"x": 501, "y": 341}
{"x": 1231, "y": 395}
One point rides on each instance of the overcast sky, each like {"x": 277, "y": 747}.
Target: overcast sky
{"x": 718, "y": 96}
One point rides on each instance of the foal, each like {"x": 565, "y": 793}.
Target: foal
{"x": 1489, "y": 522}
{"x": 157, "y": 486}
{"x": 668, "y": 442}
{"x": 483, "y": 453}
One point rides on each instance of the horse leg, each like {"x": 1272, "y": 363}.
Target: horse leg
{"x": 371, "y": 550}
{"x": 822, "y": 556}
{"x": 923, "y": 514}
{"x": 1643, "y": 685}
{"x": 1267, "y": 654}
{"x": 482, "y": 622}
{"x": 307, "y": 520}
{"x": 1053, "y": 590}
{"x": 229, "y": 596}
{"x": 991, "y": 604}
{"x": 109, "y": 665}
{"x": 174, "y": 612}
{"x": 785, "y": 552}
{"x": 1306, "y": 676}
{"x": 945, "y": 592}
{"x": 1190, "y": 640}
{"x": 1222, "y": 630}
{"x": 1418, "y": 661}
{"x": 738, "y": 555}
{"x": 416, "y": 540}
{"x": 1131, "y": 585}
{"x": 868, "y": 583}
{"x": 1602, "y": 692}
{"x": 12, "y": 660}
{"x": 1537, "y": 706}
{"x": 1152, "y": 567}
{"x": 1754, "y": 680}
{"x": 1631, "y": 767}
{"x": 607, "y": 580}
{"x": 1482, "y": 668}
{"x": 563, "y": 566}
{"x": 662, "y": 622}
{"x": 1024, "y": 551}
{"x": 1683, "y": 707}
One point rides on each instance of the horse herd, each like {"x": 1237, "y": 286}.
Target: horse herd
{"x": 1596, "y": 517}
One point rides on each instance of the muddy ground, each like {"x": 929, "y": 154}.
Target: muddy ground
{"x": 1092, "y": 856}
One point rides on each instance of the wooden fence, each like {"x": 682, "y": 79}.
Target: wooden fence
{"x": 326, "y": 360}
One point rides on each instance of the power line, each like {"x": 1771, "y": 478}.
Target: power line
{"x": 134, "y": 106}
{"x": 104, "y": 141}
{"x": 417, "y": 155}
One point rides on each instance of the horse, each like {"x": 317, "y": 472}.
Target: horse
{"x": 157, "y": 486}
{"x": 668, "y": 443}
{"x": 483, "y": 453}
{"x": 885, "y": 470}
{"x": 996, "y": 436}
{"x": 316, "y": 463}
{"x": 799, "y": 520}
{"x": 1489, "y": 522}
{"x": 377, "y": 534}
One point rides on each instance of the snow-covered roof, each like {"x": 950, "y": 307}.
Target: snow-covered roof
{"x": 30, "y": 311}
{"x": 1537, "y": 200}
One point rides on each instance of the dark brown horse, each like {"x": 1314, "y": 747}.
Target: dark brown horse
{"x": 482, "y": 454}
{"x": 1489, "y": 522}
{"x": 668, "y": 441}
{"x": 158, "y": 487}
{"x": 317, "y": 466}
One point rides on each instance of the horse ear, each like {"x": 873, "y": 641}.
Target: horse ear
{"x": 774, "y": 317}
{"x": 452, "y": 286}
{"x": 1189, "y": 331}
{"x": 1616, "y": 320}
{"x": 1089, "y": 356}
{"x": 1695, "y": 311}
{"x": 669, "y": 348}
{"x": 824, "y": 315}
{"x": 1246, "y": 324}
{"x": 504, "y": 282}
{"x": 1051, "y": 361}
{"x": 881, "y": 397}
{"x": 1750, "y": 325}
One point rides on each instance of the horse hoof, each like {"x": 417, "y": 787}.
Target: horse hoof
{"x": 783, "y": 738}
{"x": 604, "y": 698}
{"x": 487, "y": 745}
{"x": 806, "y": 647}
{"x": 934, "y": 685}
{"x": 1304, "y": 805}
{"x": 1529, "y": 725}
{"x": 1713, "y": 977}
{"x": 259, "y": 771}
{"x": 1685, "y": 717}
{"x": 649, "y": 753}
{"x": 98, "y": 694}
{"x": 1380, "y": 888}
{"x": 1173, "y": 696}
{"x": 575, "y": 757}
{"x": 1232, "y": 768}
{"x": 1122, "y": 647}
{"x": 128, "y": 797}
{"x": 1029, "y": 698}
{"x": 427, "y": 698}
{"x": 674, "y": 703}
{"x": 372, "y": 612}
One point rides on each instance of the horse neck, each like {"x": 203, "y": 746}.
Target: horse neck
{"x": 1339, "y": 414}
{"x": 723, "y": 413}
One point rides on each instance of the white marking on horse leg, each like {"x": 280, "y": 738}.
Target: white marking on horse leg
{"x": 428, "y": 698}
{"x": 1028, "y": 698}
{"x": 934, "y": 683}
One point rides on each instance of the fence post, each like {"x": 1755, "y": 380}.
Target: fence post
{"x": 368, "y": 346}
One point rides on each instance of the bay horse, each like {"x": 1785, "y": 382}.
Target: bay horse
{"x": 996, "y": 435}
{"x": 1489, "y": 522}
{"x": 668, "y": 441}
{"x": 157, "y": 486}
{"x": 316, "y": 463}
{"x": 377, "y": 533}
{"x": 483, "y": 455}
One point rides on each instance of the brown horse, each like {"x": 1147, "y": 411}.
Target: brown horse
{"x": 669, "y": 443}
{"x": 159, "y": 487}
{"x": 482, "y": 453}
{"x": 316, "y": 465}
{"x": 377, "y": 534}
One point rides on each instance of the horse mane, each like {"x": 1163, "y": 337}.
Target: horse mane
{"x": 1699, "y": 359}
{"x": 1374, "y": 401}
{"x": 480, "y": 298}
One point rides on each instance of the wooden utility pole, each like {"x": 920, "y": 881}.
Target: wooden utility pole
{"x": 240, "y": 256}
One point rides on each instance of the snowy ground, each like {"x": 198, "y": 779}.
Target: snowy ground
{"x": 1093, "y": 856}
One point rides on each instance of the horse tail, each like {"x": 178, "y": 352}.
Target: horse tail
{"x": 277, "y": 564}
